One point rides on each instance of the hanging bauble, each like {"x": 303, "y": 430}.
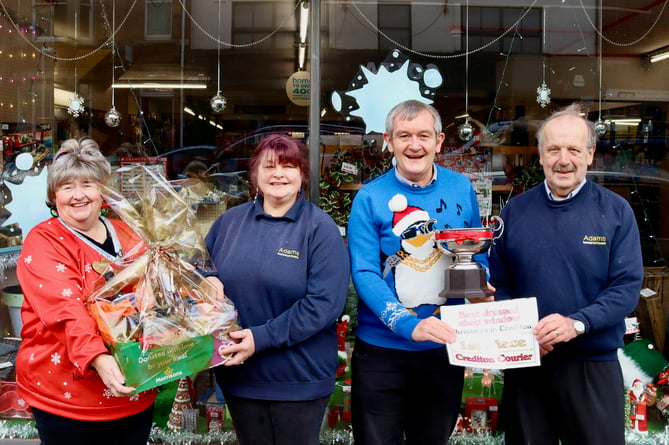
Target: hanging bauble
{"x": 466, "y": 131}
{"x": 112, "y": 117}
{"x": 601, "y": 128}
{"x": 217, "y": 102}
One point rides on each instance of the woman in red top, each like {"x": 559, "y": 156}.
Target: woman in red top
{"x": 65, "y": 373}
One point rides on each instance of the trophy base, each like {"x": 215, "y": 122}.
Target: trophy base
{"x": 464, "y": 283}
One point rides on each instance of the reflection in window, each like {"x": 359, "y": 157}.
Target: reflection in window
{"x": 158, "y": 19}
{"x": 255, "y": 21}
{"x": 394, "y": 22}
{"x": 61, "y": 19}
{"x": 487, "y": 23}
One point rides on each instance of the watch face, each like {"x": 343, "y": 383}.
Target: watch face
{"x": 579, "y": 327}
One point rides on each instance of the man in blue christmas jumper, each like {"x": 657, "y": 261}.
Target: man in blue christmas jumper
{"x": 402, "y": 381}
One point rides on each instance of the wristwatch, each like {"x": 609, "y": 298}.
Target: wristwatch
{"x": 579, "y": 327}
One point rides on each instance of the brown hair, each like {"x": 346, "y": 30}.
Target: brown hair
{"x": 286, "y": 150}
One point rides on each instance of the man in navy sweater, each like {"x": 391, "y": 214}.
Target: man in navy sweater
{"x": 575, "y": 247}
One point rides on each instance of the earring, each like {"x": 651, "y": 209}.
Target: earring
{"x": 54, "y": 212}
{"x": 104, "y": 210}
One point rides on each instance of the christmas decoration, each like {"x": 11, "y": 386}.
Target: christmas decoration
{"x": 75, "y": 105}
{"x": 369, "y": 161}
{"x": 112, "y": 117}
{"x": 182, "y": 401}
{"x": 543, "y": 94}
{"x": 217, "y": 102}
{"x": 466, "y": 131}
{"x": 640, "y": 360}
{"x": 639, "y": 399}
{"x": 601, "y": 128}
{"x": 375, "y": 90}
{"x": 482, "y": 414}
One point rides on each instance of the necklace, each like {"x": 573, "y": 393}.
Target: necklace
{"x": 420, "y": 265}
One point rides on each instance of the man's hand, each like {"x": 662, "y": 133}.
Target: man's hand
{"x": 433, "y": 329}
{"x": 553, "y": 329}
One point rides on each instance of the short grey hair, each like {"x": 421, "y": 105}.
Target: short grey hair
{"x": 408, "y": 110}
{"x": 574, "y": 110}
{"x": 76, "y": 159}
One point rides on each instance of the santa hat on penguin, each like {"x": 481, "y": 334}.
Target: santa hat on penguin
{"x": 405, "y": 215}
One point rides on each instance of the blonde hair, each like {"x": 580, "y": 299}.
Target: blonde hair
{"x": 76, "y": 159}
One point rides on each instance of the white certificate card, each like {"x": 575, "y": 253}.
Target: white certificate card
{"x": 496, "y": 335}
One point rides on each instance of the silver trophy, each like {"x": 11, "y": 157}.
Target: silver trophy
{"x": 465, "y": 278}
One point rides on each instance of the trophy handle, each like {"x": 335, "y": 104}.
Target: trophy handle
{"x": 497, "y": 226}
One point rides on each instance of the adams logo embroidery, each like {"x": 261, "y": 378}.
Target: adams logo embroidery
{"x": 289, "y": 253}
{"x": 595, "y": 240}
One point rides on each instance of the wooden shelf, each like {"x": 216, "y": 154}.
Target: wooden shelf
{"x": 501, "y": 187}
{"x": 351, "y": 186}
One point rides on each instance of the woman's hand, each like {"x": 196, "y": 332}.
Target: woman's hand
{"x": 218, "y": 284}
{"x": 111, "y": 375}
{"x": 240, "y": 351}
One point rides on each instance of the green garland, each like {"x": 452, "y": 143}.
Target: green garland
{"x": 370, "y": 162}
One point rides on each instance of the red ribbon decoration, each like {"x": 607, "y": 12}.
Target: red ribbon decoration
{"x": 462, "y": 235}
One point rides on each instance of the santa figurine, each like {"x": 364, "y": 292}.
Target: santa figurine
{"x": 640, "y": 399}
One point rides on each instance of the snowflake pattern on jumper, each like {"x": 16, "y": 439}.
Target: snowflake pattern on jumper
{"x": 392, "y": 314}
{"x": 55, "y": 358}
{"x": 60, "y": 267}
{"x": 67, "y": 292}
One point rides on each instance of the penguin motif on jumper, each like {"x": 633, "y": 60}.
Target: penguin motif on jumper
{"x": 419, "y": 265}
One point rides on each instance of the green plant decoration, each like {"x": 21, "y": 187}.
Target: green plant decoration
{"x": 370, "y": 162}
{"x": 531, "y": 175}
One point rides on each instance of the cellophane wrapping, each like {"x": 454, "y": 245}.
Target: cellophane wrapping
{"x": 160, "y": 317}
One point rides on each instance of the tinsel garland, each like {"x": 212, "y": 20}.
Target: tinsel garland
{"x": 13, "y": 429}
{"x": 659, "y": 438}
{"x": 169, "y": 437}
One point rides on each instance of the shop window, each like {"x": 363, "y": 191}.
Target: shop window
{"x": 486, "y": 24}
{"x": 158, "y": 19}
{"x": 395, "y": 23}
{"x": 61, "y": 20}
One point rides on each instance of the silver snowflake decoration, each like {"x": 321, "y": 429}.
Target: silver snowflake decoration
{"x": 76, "y": 105}
{"x": 543, "y": 94}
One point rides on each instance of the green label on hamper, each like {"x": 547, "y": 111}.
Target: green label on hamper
{"x": 162, "y": 364}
